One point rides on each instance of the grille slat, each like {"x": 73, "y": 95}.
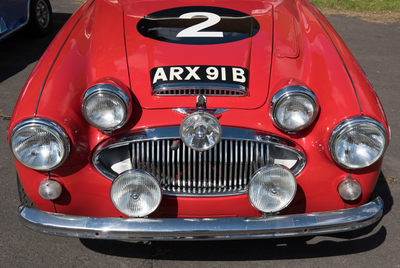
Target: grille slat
{"x": 163, "y": 163}
{"x": 215, "y": 167}
{"x": 134, "y": 156}
{"x": 230, "y": 175}
{"x": 173, "y": 162}
{"x": 168, "y": 163}
{"x": 236, "y": 167}
{"x": 158, "y": 159}
{"x": 153, "y": 163}
{"x": 143, "y": 166}
{"x": 205, "y": 177}
{"x": 225, "y": 161}
{"x": 137, "y": 156}
{"x": 251, "y": 158}
{"x": 240, "y": 165}
{"x": 200, "y": 187}
{"x": 246, "y": 164}
{"x": 189, "y": 170}
{"x": 178, "y": 163}
{"x": 183, "y": 168}
{"x": 210, "y": 177}
{"x": 262, "y": 159}
{"x": 220, "y": 179}
{"x": 194, "y": 169}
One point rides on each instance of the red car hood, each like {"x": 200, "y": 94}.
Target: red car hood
{"x": 252, "y": 53}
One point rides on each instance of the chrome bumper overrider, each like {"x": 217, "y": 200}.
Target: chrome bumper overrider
{"x": 204, "y": 228}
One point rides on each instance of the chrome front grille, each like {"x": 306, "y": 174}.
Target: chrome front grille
{"x": 225, "y": 169}
{"x": 183, "y": 170}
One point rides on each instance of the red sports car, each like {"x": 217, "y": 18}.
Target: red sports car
{"x": 163, "y": 120}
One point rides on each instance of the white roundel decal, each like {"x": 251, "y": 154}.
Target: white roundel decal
{"x": 198, "y": 25}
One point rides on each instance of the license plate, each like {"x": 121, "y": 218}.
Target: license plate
{"x": 229, "y": 75}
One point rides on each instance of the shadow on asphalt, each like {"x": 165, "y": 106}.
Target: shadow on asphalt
{"x": 382, "y": 189}
{"x": 264, "y": 249}
{"x": 245, "y": 250}
{"x": 21, "y": 49}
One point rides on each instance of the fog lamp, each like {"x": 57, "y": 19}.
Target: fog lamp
{"x": 349, "y": 189}
{"x": 272, "y": 188}
{"x": 50, "y": 189}
{"x": 200, "y": 131}
{"x": 136, "y": 193}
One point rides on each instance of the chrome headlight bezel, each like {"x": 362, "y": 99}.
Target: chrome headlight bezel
{"x": 50, "y": 126}
{"x": 291, "y": 91}
{"x": 347, "y": 125}
{"x": 113, "y": 91}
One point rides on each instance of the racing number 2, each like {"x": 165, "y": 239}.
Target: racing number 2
{"x": 198, "y": 25}
{"x": 194, "y": 31}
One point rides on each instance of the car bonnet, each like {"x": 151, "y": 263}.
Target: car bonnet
{"x": 199, "y": 45}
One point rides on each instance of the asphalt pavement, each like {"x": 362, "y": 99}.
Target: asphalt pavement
{"x": 375, "y": 45}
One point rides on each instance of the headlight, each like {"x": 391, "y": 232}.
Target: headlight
{"x": 272, "y": 188}
{"x": 358, "y": 142}
{"x": 136, "y": 193}
{"x": 200, "y": 131}
{"x": 39, "y": 144}
{"x": 106, "y": 107}
{"x": 294, "y": 108}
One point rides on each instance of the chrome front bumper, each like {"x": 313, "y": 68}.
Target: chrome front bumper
{"x": 204, "y": 228}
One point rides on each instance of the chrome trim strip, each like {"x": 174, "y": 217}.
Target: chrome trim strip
{"x": 320, "y": 223}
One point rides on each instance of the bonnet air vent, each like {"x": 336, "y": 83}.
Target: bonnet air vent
{"x": 206, "y": 89}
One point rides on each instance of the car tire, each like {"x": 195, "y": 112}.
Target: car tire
{"x": 40, "y": 17}
{"x": 23, "y": 197}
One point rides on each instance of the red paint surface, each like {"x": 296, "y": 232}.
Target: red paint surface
{"x": 291, "y": 48}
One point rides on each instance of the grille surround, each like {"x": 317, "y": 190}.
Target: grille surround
{"x": 218, "y": 172}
